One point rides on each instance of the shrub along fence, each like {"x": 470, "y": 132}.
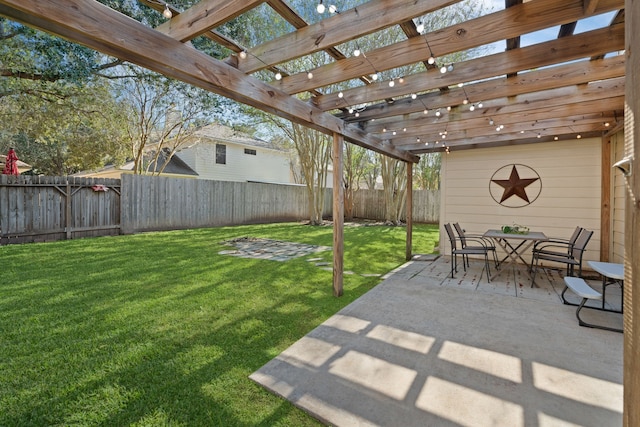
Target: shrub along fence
{"x": 53, "y": 208}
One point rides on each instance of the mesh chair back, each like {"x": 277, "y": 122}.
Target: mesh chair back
{"x": 574, "y": 236}
{"x": 460, "y": 232}
{"x": 581, "y": 244}
{"x": 452, "y": 237}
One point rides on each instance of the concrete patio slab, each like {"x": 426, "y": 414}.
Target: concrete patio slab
{"x": 423, "y": 349}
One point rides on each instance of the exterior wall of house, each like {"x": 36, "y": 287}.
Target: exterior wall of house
{"x": 618, "y": 191}
{"x": 569, "y": 189}
{"x": 265, "y": 166}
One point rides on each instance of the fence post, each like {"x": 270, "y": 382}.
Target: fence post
{"x": 68, "y": 209}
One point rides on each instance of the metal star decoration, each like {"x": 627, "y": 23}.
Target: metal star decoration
{"x": 514, "y": 186}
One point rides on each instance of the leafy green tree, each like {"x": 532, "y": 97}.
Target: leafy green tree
{"x": 61, "y": 128}
{"x": 394, "y": 181}
{"x": 426, "y": 173}
{"x": 355, "y": 163}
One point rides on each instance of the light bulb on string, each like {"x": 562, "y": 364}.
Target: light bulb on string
{"x": 420, "y": 27}
{"x": 320, "y": 8}
{"x": 443, "y": 69}
{"x": 340, "y": 95}
{"x": 278, "y": 76}
{"x": 243, "y": 54}
{"x": 309, "y": 75}
{"x": 374, "y": 76}
{"x": 167, "y": 12}
{"x": 356, "y": 52}
{"x": 333, "y": 8}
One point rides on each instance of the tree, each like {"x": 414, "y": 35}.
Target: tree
{"x": 162, "y": 116}
{"x": 394, "y": 180}
{"x": 427, "y": 172}
{"x": 314, "y": 152}
{"x": 355, "y": 162}
{"x": 61, "y": 128}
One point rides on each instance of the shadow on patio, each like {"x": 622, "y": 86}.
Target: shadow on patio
{"x": 422, "y": 349}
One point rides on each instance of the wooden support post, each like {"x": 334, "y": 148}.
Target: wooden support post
{"x": 338, "y": 216}
{"x": 631, "y": 382}
{"x": 409, "y": 252}
{"x": 605, "y": 209}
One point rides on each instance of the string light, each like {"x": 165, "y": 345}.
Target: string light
{"x": 167, "y": 12}
{"x": 309, "y": 75}
{"x": 243, "y": 54}
{"x": 320, "y": 8}
{"x": 278, "y": 76}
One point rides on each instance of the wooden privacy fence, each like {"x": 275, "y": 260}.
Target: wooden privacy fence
{"x": 56, "y": 208}
{"x": 159, "y": 203}
{"x": 44, "y": 208}
{"x": 369, "y": 204}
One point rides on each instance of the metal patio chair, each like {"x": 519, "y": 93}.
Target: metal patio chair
{"x": 487, "y": 243}
{"x": 560, "y": 246}
{"x": 479, "y": 249}
{"x": 572, "y": 259}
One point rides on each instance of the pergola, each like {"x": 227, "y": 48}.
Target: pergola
{"x": 574, "y": 85}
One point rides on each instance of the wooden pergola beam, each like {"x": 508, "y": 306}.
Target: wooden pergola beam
{"x": 527, "y": 17}
{"x": 203, "y": 16}
{"x": 407, "y": 109}
{"x": 365, "y": 19}
{"x": 101, "y": 28}
{"x": 529, "y": 118}
{"x": 529, "y": 127}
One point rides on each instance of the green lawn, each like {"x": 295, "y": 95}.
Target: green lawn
{"x": 159, "y": 329}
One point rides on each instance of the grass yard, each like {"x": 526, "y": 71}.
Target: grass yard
{"x": 158, "y": 329}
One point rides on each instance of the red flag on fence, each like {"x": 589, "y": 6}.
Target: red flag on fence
{"x": 11, "y": 163}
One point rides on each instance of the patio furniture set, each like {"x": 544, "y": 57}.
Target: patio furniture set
{"x": 514, "y": 242}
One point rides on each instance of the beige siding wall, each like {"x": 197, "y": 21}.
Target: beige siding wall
{"x": 569, "y": 196}
{"x": 267, "y": 165}
{"x": 618, "y": 200}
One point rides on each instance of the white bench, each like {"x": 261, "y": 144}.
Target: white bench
{"x": 581, "y": 288}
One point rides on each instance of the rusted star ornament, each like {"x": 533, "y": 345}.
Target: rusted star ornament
{"x": 514, "y": 186}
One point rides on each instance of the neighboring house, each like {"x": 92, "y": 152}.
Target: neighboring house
{"x": 217, "y": 152}
{"x": 175, "y": 168}
{"x": 220, "y": 153}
